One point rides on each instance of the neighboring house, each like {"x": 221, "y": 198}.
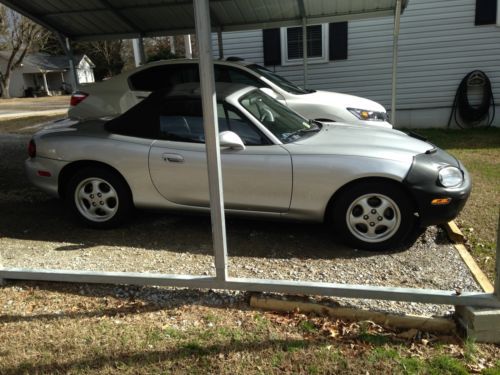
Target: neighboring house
{"x": 440, "y": 42}
{"x": 43, "y": 74}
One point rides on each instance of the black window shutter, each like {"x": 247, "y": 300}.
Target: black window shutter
{"x": 337, "y": 40}
{"x": 486, "y": 12}
{"x": 272, "y": 46}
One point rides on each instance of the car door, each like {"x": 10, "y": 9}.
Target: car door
{"x": 258, "y": 178}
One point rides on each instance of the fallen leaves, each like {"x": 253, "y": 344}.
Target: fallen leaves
{"x": 408, "y": 335}
{"x": 109, "y": 320}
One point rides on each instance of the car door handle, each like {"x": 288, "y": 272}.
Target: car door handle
{"x": 173, "y": 158}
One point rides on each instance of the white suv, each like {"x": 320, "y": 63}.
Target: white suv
{"x": 118, "y": 94}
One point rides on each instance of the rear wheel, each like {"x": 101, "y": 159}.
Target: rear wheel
{"x": 374, "y": 216}
{"x": 99, "y": 197}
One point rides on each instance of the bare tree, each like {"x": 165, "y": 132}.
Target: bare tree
{"x": 107, "y": 54}
{"x": 18, "y": 36}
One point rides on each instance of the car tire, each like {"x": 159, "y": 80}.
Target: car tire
{"x": 99, "y": 197}
{"x": 374, "y": 216}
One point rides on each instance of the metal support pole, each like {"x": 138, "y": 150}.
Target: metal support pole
{"x": 211, "y": 127}
{"x": 72, "y": 66}
{"x": 171, "y": 41}
{"x": 395, "y": 38}
{"x": 497, "y": 273}
{"x": 304, "y": 48}
{"x": 2, "y": 280}
{"x": 220, "y": 43}
{"x": 139, "y": 55}
{"x": 66, "y": 45}
{"x": 498, "y": 15}
{"x": 187, "y": 45}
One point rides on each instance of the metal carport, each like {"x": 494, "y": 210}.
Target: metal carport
{"x": 112, "y": 19}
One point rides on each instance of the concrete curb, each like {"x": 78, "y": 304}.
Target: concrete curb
{"x": 388, "y": 320}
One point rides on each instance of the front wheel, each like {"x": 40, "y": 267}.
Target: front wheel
{"x": 99, "y": 197}
{"x": 374, "y": 216}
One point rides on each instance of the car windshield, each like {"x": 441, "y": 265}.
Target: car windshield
{"x": 285, "y": 124}
{"x": 278, "y": 80}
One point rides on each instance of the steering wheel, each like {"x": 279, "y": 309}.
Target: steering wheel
{"x": 266, "y": 115}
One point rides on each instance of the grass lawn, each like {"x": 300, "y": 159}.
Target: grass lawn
{"x": 58, "y": 331}
{"x": 27, "y": 125}
{"x": 35, "y": 104}
{"x": 479, "y": 151}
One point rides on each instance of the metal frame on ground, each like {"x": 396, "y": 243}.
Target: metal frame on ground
{"x": 221, "y": 280}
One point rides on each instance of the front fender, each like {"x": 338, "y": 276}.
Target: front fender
{"x": 316, "y": 178}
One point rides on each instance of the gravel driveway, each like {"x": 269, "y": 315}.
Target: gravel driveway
{"x": 36, "y": 232}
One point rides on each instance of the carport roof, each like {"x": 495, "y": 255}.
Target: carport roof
{"x": 111, "y": 19}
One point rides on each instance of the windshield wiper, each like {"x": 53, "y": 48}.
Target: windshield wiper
{"x": 316, "y": 123}
{"x": 315, "y": 128}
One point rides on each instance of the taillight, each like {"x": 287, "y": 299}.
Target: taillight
{"x": 77, "y": 98}
{"x": 32, "y": 149}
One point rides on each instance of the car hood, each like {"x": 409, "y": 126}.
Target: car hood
{"x": 342, "y": 100}
{"x": 344, "y": 139}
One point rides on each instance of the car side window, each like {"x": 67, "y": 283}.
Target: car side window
{"x": 182, "y": 128}
{"x": 180, "y": 119}
{"x": 183, "y": 122}
{"x": 163, "y": 76}
{"x": 228, "y": 74}
{"x": 231, "y": 119}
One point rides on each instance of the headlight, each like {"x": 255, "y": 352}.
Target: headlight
{"x": 364, "y": 114}
{"x": 450, "y": 176}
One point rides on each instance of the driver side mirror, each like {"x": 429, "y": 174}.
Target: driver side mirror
{"x": 232, "y": 140}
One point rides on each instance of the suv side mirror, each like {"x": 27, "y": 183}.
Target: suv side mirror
{"x": 273, "y": 94}
{"x": 231, "y": 139}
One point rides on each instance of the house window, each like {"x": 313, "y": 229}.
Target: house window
{"x": 292, "y": 47}
{"x": 487, "y": 12}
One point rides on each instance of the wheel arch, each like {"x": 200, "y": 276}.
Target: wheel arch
{"x": 365, "y": 180}
{"x": 69, "y": 171}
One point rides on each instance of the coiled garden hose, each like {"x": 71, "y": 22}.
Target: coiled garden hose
{"x": 466, "y": 114}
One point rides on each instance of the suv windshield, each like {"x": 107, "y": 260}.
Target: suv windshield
{"x": 285, "y": 124}
{"x": 278, "y": 80}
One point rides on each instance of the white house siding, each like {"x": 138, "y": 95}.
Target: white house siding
{"x": 83, "y": 76}
{"x": 439, "y": 44}
{"x": 245, "y": 44}
{"x": 85, "y": 72}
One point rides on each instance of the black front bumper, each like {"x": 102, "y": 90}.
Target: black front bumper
{"x": 423, "y": 183}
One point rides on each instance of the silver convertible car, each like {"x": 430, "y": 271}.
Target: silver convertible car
{"x": 374, "y": 187}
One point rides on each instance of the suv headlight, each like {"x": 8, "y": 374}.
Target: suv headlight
{"x": 450, "y": 176}
{"x": 364, "y": 114}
